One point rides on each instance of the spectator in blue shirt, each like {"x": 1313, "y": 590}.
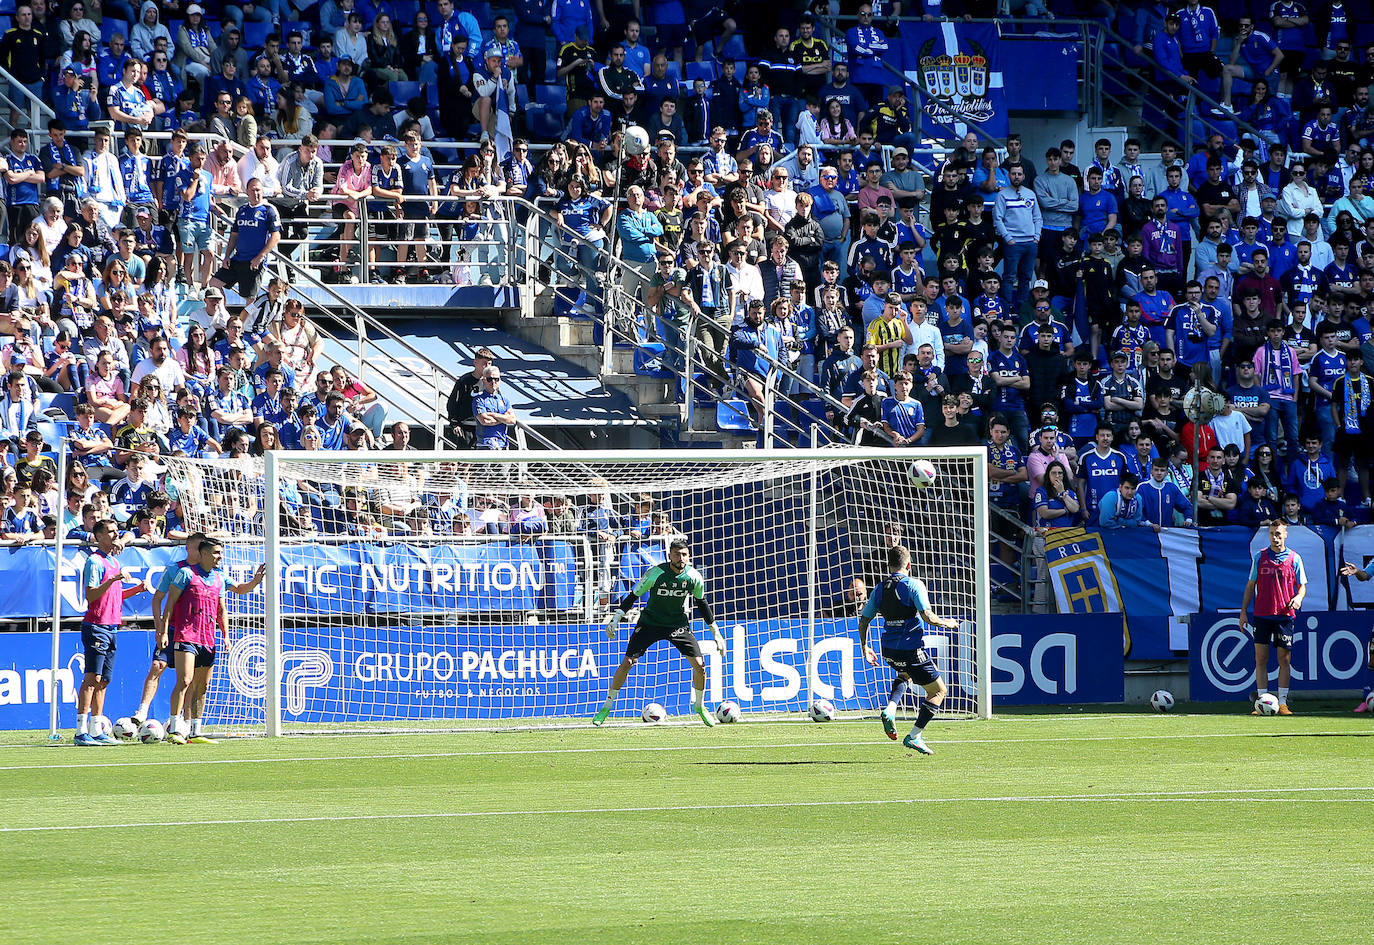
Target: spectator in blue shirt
{"x": 493, "y": 412}
{"x": 1160, "y": 498}
{"x": 1121, "y": 508}
{"x": 591, "y": 124}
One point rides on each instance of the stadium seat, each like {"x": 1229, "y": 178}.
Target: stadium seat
{"x": 648, "y": 360}
{"x": 701, "y": 70}
{"x": 255, "y": 34}
{"x": 733, "y": 49}
{"x": 732, "y": 416}
{"x": 300, "y": 26}
{"x": 673, "y": 72}
{"x": 109, "y": 27}
{"x": 552, "y": 96}
{"x": 403, "y": 11}
{"x": 543, "y": 121}
{"x": 8, "y": 7}
{"x": 402, "y": 92}
{"x": 4, "y": 24}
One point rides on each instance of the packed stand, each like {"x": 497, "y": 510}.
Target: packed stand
{"x": 776, "y": 214}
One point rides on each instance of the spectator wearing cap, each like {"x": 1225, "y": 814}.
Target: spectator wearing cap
{"x": 74, "y": 103}
{"x": 461, "y": 426}
{"x": 831, "y": 210}
{"x": 905, "y": 182}
{"x": 194, "y": 45}
{"x": 494, "y": 85}
{"x": 1046, "y": 452}
{"x": 492, "y": 412}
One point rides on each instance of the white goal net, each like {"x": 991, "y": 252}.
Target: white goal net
{"x": 410, "y": 591}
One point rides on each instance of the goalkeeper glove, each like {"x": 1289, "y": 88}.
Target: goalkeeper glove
{"x": 613, "y": 625}
{"x": 719, "y": 637}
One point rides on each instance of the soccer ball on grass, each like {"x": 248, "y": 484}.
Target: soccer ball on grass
{"x": 1162, "y": 700}
{"x": 1267, "y": 704}
{"x": 151, "y": 732}
{"x": 100, "y": 725}
{"x": 921, "y": 474}
{"x": 653, "y": 713}
{"x": 822, "y": 710}
{"x": 125, "y": 730}
{"x": 727, "y": 711}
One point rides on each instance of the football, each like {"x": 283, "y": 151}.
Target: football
{"x": 125, "y": 729}
{"x": 1162, "y": 700}
{"x": 151, "y": 732}
{"x": 727, "y": 711}
{"x": 921, "y": 474}
{"x": 182, "y": 728}
{"x": 822, "y": 710}
{"x": 1369, "y": 702}
{"x": 1267, "y": 704}
{"x": 653, "y": 712}
{"x": 100, "y": 725}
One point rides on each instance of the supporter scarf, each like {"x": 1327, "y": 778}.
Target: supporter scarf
{"x": 1356, "y": 403}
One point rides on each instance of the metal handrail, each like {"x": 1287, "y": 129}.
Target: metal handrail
{"x": 33, "y": 104}
{"x": 626, "y": 304}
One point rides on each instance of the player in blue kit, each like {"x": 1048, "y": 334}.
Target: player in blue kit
{"x": 904, "y": 605}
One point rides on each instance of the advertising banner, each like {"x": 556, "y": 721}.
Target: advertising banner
{"x": 1328, "y": 653}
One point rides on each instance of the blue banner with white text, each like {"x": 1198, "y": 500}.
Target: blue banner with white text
{"x": 524, "y": 670}
{"x": 956, "y": 68}
{"x": 1329, "y": 653}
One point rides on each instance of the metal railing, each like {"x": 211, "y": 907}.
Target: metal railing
{"x": 1014, "y": 553}
{"x": 29, "y": 104}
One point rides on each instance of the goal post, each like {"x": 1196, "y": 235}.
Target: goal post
{"x": 432, "y": 590}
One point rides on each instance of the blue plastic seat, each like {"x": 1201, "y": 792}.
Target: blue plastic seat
{"x": 552, "y": 95}
{"x": 299, "y": 26}
{"x": 110, "y": 26}
{"x": 701, "y": 70}
{"x": 402, "y": 92}
{"x": 255, "y": 34}
{"x": 732, "y": 416}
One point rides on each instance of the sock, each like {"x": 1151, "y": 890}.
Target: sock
{"x": 143, "y": 710}
{"x": 896, "y": 694}
{"x": 891, "y": 707}
{"x": 923, "y": 716}
{"x": 175, "y": 723}
{"x": 1260, "y": 693}
{"x": 1283, "y": 695}
{"x": 610, "y": 699}
{"x": 83, "y": 723}
{"x": 698, "y": 698}
{"x": 195, "y": 726}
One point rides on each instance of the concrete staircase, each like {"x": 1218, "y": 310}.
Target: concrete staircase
{"x": 655, "y": 399}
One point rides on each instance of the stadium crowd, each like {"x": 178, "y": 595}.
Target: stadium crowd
{"x": 779, "y": 215}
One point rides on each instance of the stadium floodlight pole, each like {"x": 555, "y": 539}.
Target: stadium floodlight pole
{"x": 54, "y": 693}
{"x": 271, "y": 522}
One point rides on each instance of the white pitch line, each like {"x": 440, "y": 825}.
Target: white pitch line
{"x": 618, "y": 749}
{"x": 1237, "y": 795}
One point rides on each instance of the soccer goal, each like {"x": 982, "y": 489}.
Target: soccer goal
{"x": 461, "y": 590}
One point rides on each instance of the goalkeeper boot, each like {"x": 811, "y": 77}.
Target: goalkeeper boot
{"x": 918, "y": 743}
{"x": 602, "y": 714}
{"x": 176, "y": 738}
{"x": 202, "y": 740}
{"x": 84, "y": 740}
{"x": 706, "y": 717}
{"x": 889, "y": 720}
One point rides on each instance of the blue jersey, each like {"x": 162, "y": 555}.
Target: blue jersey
{"x": 1096, "y": 208}
{"x": 900, "y": 600}
{"x": 168, "y": 169}
{"x": 137, "y": 170}
{"x": 1008, "y": 365}
{"x": 1102, "y": 474}
{"x": 26, "y": 193}
{"x": 1190, "y": 343}
{"x": 197, "y": 210}
{"x": 904, "y": 416}
{"x": 164, "y": 583}
{"x": 254, "y": 226}
{"x": 1008, "y": 457}
{"x": 1324, "y": 369}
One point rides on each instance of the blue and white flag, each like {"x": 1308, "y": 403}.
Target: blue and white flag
{"x": 1080, "y": 573}
{"x": 957, "y": 71}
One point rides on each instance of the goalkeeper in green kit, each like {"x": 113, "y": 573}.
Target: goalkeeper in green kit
{"x": 666, "y": 616}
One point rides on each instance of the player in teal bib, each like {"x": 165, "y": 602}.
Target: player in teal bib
{"x": 673, "y": 588}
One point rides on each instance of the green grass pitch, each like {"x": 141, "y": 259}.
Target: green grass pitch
{"x": 1077, "y": 827}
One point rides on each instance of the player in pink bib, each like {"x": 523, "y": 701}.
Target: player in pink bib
{"x": 196, "y": 615}
{"x": 104, "y": 581}
{"x": 1277, "y": 585}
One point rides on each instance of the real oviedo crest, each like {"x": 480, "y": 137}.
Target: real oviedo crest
{"x": 955, "y": 86}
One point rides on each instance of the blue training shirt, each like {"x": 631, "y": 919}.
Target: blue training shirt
{"x": 900, "y": 599}
{"x": 254, "y": 225}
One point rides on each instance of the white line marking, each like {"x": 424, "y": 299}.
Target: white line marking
{"x": 1238, "y": 795}
{"x": 613, "y": 749}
